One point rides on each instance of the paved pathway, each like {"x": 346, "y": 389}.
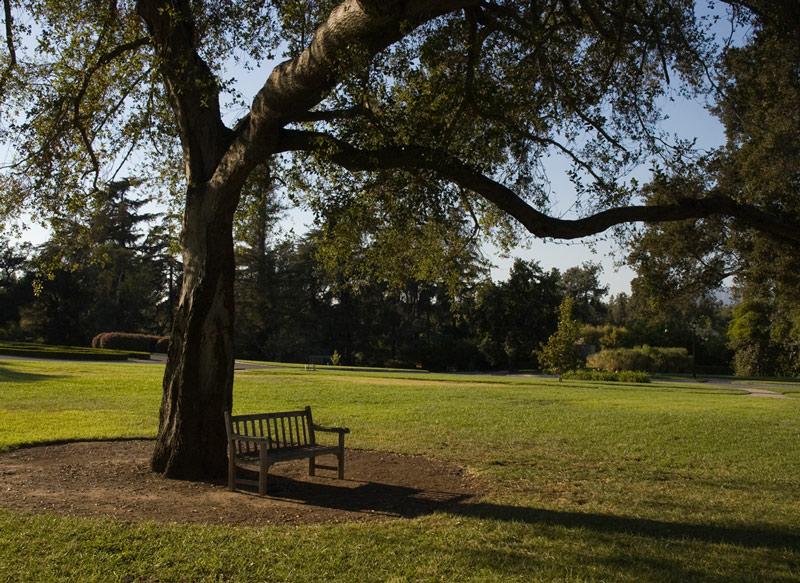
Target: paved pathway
{"x": 753, "y": 388}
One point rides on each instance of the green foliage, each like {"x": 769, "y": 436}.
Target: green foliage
{"x": 606, "y": 336}
{"x": 513, "y": 317}
{"x": 70, "y": 352}
{"x": 679, "y": 265}
{"x": 764, "y": 345}
{"x": 379, "y": 235}
{"x": 125, "y": 341}
{"x": 621, "y": 376}
{"x": 582, "y": 285}
{"x": 561, "y": 352}
{"x": 458, "y": 83}
{"x": 13, "y": 289}
{"x": 292, "y": 308}
{"x": 97, "y": 273}
{"x": 642, "y": 358}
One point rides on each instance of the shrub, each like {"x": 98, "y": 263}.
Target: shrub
{"x": 561, "y": 353}
{"x": 623, "y": 376}
{"x": 606, "y": 337}
{"x": 67, "y": 352}
{"x": 126, "y": 341}
{"x": 642, "y": 358}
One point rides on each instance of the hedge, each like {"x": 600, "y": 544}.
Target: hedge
{"x": 127, "y": 341}
{"x": 67, "y": 352}
{"x": 642, "y": 358}
{"x": 623, "y": 376}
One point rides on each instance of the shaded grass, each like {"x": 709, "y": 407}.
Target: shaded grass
{"x": 592, "y": 481}
{"x": 33, "y": 350}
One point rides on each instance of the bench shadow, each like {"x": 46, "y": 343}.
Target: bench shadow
{"x": 358, "y": 496}
{"x": 407, "y": 502}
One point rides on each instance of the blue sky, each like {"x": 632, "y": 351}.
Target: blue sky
{"x": 687, "y": 119}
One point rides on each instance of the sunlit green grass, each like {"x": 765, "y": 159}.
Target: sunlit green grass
{"x": 590, "y": 481}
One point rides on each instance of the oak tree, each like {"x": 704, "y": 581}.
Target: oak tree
{"x": 444, "y": 108}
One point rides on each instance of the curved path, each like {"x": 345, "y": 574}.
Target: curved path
{"x": 754, "y": 389}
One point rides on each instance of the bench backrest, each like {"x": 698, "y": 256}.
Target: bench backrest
{"x": 285, "y": 429}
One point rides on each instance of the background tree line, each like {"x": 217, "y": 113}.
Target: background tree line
{"x": 117, "y": 271}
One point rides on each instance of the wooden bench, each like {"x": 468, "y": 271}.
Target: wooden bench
{"x": 260, "y": 440}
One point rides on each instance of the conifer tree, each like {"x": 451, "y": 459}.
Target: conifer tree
{"x": 561, "y": 352}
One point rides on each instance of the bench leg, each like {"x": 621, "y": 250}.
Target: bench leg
{"x": 231, "y": 472}
{"x": 341, "y": 456}
{"x": 312, "y": 466}
{"x": 262, "y": 470}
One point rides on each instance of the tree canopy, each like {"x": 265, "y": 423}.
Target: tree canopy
{"x": 680, "y": 265}
{"x": 436, "y": 112}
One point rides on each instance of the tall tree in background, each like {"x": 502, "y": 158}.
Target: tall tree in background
{"x": 455, "y": 101}
{"x": 680, "y": 265}
{"x": 561, "y": 352}
{"x": 95, "y": 277}
{"x": 512, "y": 318}
{"x": 582, "y": 285}
{"x": 257, "y": 288}
{"x": 14, "y": 291}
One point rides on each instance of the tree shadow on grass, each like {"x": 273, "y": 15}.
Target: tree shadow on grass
{"x": 409, "y": 502}
{"x": 657, "y": 529}
{"x": 14, "y": 376}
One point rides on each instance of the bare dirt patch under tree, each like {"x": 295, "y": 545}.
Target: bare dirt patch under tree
{"x": 112, "y": 479}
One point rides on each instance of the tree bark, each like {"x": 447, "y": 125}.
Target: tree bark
{"x": 198, "y": 381}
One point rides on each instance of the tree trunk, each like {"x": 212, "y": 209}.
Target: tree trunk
{"x": 198, "y": 382}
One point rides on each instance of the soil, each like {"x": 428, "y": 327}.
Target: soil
{"x": 112, "y": 479}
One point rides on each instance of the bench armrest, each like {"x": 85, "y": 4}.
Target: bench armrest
{"x": 339, "y": 430}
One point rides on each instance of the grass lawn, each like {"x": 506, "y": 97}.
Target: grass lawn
{"x": 591, "y": 481}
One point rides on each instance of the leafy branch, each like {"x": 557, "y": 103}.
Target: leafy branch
{"x": 536, "y": 222}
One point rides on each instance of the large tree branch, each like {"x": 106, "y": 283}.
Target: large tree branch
{"x": 192, "y": 86}
{"x": 333, "y": 114}
{"x": 536, "y": 222}
{"x": 353, "y": 33}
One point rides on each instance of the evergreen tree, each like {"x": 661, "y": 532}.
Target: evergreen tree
{"x": 514, "y": 316}
{"x": 561, "y": 352}
{"x": 94, "y": 276}
{"x": 582, "y": 284}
